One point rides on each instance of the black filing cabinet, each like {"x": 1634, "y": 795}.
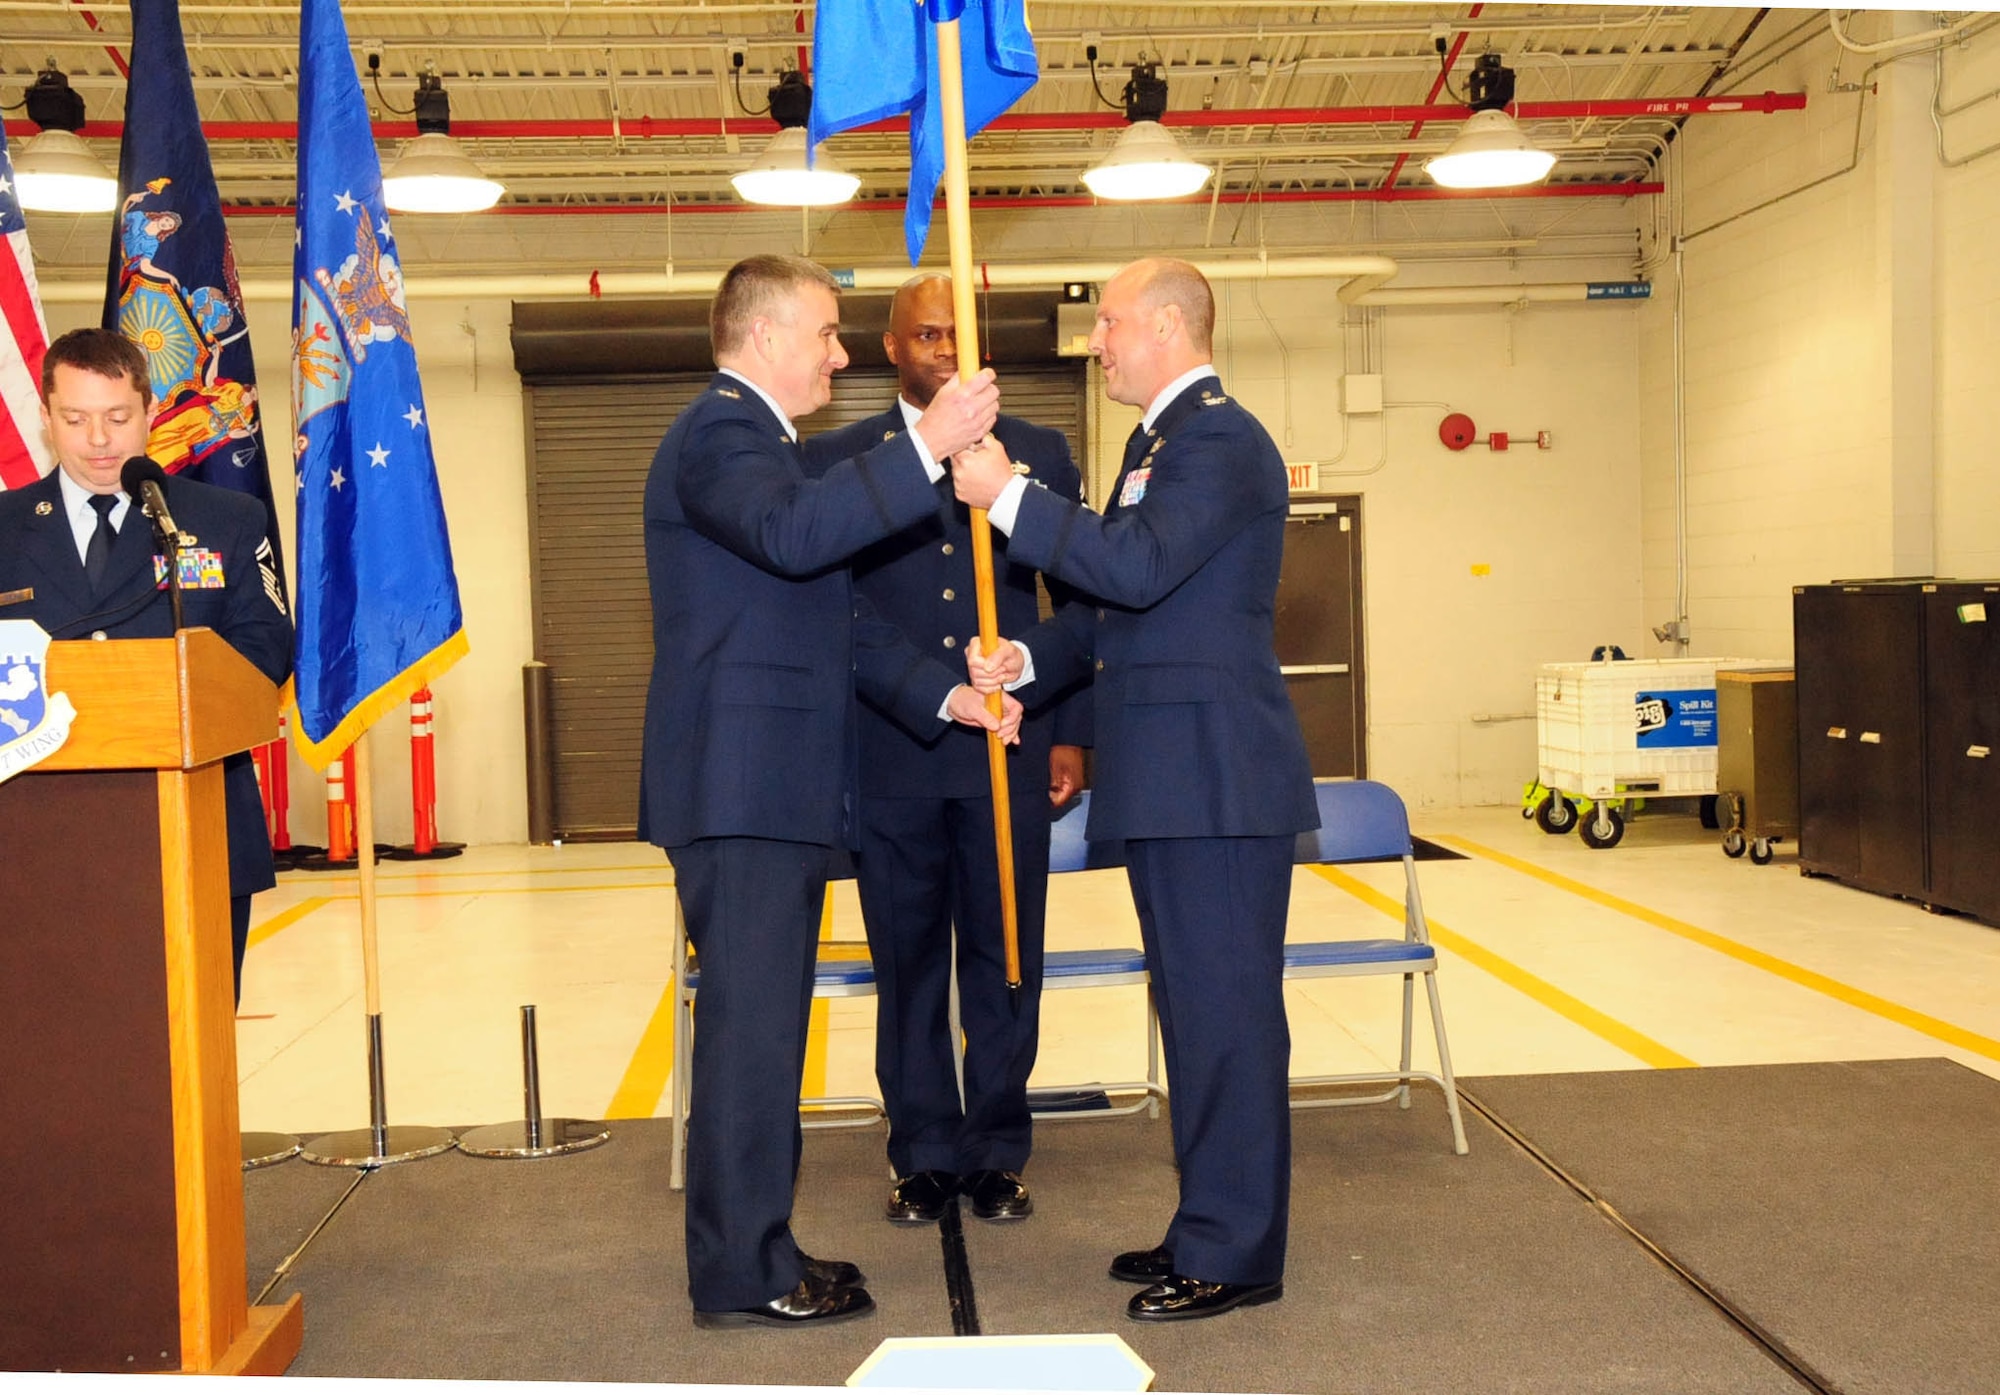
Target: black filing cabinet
{"x": 1859, "y": 651}
{"x": 1962, "y": 709}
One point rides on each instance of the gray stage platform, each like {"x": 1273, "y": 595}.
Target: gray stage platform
{"x": 1839, "y": 1210}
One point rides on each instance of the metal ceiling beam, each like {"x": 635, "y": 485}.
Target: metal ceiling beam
{"x": 638, "y": 127}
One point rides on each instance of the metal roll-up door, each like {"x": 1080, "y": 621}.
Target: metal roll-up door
{"x": 590, "y": 446}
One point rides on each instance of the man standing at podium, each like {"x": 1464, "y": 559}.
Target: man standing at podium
{"x": 85, "y": 555}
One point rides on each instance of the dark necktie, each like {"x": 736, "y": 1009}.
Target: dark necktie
{"x": 97, "y": 556}
{"x": 1135, "y": 444}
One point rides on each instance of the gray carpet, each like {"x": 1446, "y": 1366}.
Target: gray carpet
{"x": 1848, "y": 1208}
{"x": 1410, "y": 1270}
{"x": 281, "y": 1205}
{"x": 1845, "y": 1210}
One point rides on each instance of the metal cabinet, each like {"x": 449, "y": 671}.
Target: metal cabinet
{"x": 1962, "y": 714}
{"x": 1899, "y": 738}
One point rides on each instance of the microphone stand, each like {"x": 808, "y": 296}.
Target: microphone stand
{"x": 171, "y": 541}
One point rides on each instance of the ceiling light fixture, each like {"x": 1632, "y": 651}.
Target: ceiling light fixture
{"x": 782, "y": 175}
{"x": 1491, "y": 152}
{"x": 1146, "y": 162}
{"x": 432, "y": 174}
{"x": 55, "y": 172}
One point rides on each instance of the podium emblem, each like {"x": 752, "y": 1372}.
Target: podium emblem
{"x": 34, "y": 723}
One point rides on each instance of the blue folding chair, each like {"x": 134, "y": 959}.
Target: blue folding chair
{"x": 1360, "y": 821}
{"x": 1363, "y": 821}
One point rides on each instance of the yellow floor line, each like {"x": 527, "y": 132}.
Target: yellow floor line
{"x": 1598, "y": 1024}
{"x": 286, "y": 918}
{"x": 355, "y": 895}
{"x": 382, "y": 874}
{"x": 1793, "y": 973}
{"x": 652, "y": 1064}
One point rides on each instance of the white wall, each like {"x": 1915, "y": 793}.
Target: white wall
{"x": 1840, "y": 348}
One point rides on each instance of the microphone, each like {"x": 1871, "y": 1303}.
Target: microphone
{"x": 144, "y": 481}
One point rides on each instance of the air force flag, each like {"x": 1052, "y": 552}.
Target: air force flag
{"x": 377, "y": 601}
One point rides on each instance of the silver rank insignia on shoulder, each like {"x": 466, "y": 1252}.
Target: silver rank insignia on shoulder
{"x": 731, "y": 393}
{"x": 1210, "y": 399}
{"x": 44, "y": 509}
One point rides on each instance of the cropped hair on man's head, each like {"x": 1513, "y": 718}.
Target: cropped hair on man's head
{"x": 760, "y": 285}
{"x": 105, "y": 352}
{"x": 1175, "y": 282}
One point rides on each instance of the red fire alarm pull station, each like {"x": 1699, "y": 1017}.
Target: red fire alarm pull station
{"x": 1497, "y": 440}
{"x": 1457, "y": 431}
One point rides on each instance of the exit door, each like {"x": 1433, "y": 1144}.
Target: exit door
{"x": 1318, "y": 632}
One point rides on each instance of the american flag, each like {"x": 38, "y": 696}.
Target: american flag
{"x": 24, "y": 337}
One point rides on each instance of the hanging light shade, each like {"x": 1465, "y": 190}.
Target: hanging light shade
{"x": 1490, "y": 153}
{"x": 433, "y": 174}
{"x": 1146, "y": 162}
{"x": 781, "y": 176}
{"x": 55, "y": 172}
{"x": 785, "y": 174}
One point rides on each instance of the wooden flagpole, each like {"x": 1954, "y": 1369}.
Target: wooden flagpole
{"x": 377, "y": 1145}
{"x": 965, "y": 325}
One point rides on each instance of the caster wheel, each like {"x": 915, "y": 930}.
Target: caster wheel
{"x": 1760, "y": 852}
{"x": 1593, "y": 838}
{"x": 1555, "y": 815}
{"x": 1733, "y": 843}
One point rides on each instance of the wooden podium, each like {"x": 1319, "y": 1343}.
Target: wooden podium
{"x": 121, "y": 1225}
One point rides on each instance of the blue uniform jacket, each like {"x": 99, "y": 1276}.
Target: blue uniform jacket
{"x": 750, "y": 714}
{"x": 920, "y": 583}
{"x": 1196, "y": 736}
{"x": 38, "y": 550}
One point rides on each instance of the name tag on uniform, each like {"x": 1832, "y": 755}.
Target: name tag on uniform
{"x": 1135, "y": 487}
{"x": 201, "y": 570}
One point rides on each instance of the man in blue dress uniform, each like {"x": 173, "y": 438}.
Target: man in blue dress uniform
{"x": 926, "y": 862}
{"x": 1201, "y": 767}
{"x": 85, "y": 552}
{"x": 747, "y": 771}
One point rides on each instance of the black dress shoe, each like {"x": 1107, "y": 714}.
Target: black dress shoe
{"x": 1154, "y": 1266}
{"x": 814, "y": 1300}
{"x": 1178, "y": 1297}
{"x": 999, "y": 1196}
{"x": 833, "y": 1271}
{"x": 921, "y": 1197}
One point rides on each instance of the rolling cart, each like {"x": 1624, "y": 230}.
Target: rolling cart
{"x": 1757, "y": 758}
{"x": 1612, "y": 730}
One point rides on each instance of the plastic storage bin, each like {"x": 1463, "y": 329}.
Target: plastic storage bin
{"x": 1623, "y": 727}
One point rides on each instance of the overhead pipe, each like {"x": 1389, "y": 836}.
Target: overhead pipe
{"x": 1440, "y": 83}
{"x": 643, "y": 127}
{"x": 1361, "y": 268}
{"x": 1533, "y": 293}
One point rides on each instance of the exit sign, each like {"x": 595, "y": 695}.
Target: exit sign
{"x": 1302, "y": 476}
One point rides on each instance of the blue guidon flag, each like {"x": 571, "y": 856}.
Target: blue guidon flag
{"x": 171, "y": 286}
{"x": 378, "y": 610}
{"x": 874, "y": 59}
{"x": 34, "y": 722}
